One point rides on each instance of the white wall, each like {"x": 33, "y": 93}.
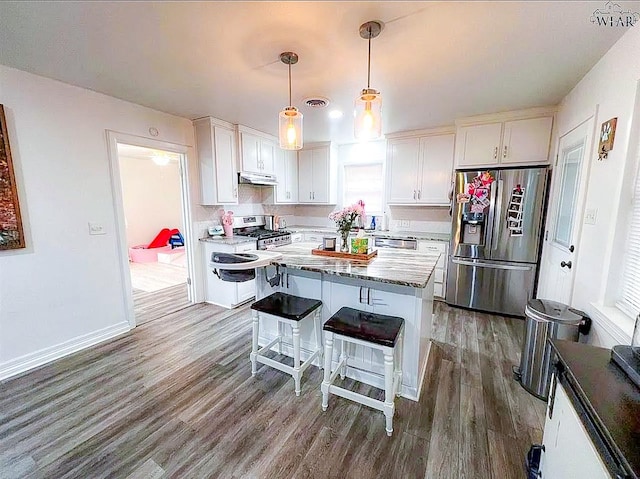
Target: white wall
{"x": 611, "y": 85}
{"x": 64, "y": 290}
{"x": 152, "y": 198}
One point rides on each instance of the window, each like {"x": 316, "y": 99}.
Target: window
{"x": 630, "y": 301}
{"x": 364, "y": 182}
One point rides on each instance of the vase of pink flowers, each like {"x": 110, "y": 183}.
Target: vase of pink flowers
{"x": 345, "y": 219}
{"x": 227, "y": 223}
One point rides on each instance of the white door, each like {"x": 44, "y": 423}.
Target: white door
{"x": 250, "y": 153}
{"x": 526, "y": 141}
{"x": 478, "y": 145}
{"x": 404, "y": 160}
{"x": 267, "y": 156}
{"x": 562, "y": 235}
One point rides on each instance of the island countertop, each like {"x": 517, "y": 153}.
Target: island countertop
{"x": 401, "y": 267}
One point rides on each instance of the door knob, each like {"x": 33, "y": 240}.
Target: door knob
{"x": 572, "y": 248}
{"x": 566, "y": 263}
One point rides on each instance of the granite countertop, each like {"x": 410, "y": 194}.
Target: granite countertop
{"x": 402, "y": 267}
{"x": 611, "y": 399}
{"x": 418, "y": 235}
{"x": 226, "y": 240}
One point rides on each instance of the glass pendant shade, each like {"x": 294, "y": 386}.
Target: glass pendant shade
{"x": 368, "y": 115}
{"x": 290, "y": 128}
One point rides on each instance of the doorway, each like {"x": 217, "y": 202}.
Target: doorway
{"x": 563, "y": 231}
{"x": 151, "y": 201}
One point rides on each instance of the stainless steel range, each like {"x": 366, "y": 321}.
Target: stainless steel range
{"x": 254, "y": 227}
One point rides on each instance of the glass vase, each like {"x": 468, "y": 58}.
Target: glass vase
{"x": 344, "y": 245}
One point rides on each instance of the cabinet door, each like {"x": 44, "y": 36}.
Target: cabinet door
{"x": 305, "y": 176}
{"x": 403, "y": 160}
{"x": 250, "y": 153}
{"x": 281, "y": 192}
{"x": 568, "y": 451}
{"x": 226, "y": 174}
{"x": 478, "y": 144}
{"x": 291, "y": 160}
{"x": 267, "y": 156}
{"x": 320, "y": 190}
{"x": 436, "y": 153}
{"x": 526, "y": 141}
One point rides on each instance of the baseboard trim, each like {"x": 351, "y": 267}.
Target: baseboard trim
{"x": 38, "y": 358}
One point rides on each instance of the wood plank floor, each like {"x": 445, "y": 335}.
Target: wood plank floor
{"x": 148, "y": 306}
{"x": 175, "y": 398}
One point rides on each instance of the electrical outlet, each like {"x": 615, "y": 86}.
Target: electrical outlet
{"x": 96, "y": 229}
{"x": 590, "y": 216}
{"x": 405, "y": 223}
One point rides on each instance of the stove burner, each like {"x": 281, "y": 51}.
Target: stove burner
{"x": 261, "y": 233}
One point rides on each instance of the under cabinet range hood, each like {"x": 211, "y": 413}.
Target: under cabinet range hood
{"x": 256, "y": 179}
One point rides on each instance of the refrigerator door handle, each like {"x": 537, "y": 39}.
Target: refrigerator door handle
{"x": 492, "y": 265}
{"x": 496, "y": 224}
{"x": 489, "y": 225}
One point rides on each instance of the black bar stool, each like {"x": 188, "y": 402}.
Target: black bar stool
{"x": 373, "y": 331}
{"x": 291, "y": 310}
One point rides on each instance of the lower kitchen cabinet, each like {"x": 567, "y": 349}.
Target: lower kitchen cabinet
{"x": 225, "y": 293}
{"x": 440, "y": 280}
{"x": 568, "y": 451}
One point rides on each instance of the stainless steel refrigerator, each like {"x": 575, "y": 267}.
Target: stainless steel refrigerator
{"x": 495, "y": 238}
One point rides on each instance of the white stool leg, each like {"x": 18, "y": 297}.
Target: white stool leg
{"x": 254, "y": 343}
{"x": 280, "y": 336}
{"x": 328, "y": 354}
{"x": 389, "y": 393}
{"x": 399, "y": 352}
{"x": 296, "y": 357}
{"x": 318, "y": 329}
{"x": 343, "y": 357}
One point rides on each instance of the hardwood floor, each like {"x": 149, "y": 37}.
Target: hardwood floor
{"x": 175, "y": 398}
{"x": 155, "y": 276}
{"x": 149, "y": 306}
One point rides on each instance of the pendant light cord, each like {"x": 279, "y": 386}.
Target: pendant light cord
{"x": 290, "y": 104}
{"x": 369, "y": 61}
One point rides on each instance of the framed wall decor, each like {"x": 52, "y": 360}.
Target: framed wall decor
{"x": 11, "y": 233}
{"x": 607, "y": 135}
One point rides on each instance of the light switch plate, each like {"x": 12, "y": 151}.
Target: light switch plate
{"x": 96, "y": 229}
{"x": 590, "y": 216}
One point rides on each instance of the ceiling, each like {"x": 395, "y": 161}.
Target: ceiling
{"x": 433, "y": 61}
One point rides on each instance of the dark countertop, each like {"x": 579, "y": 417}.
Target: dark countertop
{"x": 394, "y": 266}
{"x": 611, "y": 398}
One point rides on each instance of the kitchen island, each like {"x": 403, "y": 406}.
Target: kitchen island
{"x": 396, "y": 283}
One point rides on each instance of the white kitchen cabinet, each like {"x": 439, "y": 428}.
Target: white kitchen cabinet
{"x": 440, "y": 273}
{"x": 216, "y": 145}
{"x": 257, "y": 151}
{"x": 317, "y": 174}
{"x": 419, "y": 167}
{"x": 503, "y": 140}
{"x": 286, "y": 169}
{"x": 568, "y": 451}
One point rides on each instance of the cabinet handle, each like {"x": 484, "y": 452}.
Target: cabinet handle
{"x": 309, "y": 195}
{"x": 369, "y": 296}
{"x": 414, "y": 194}
{"x": 235, "y": 192}
{"x": 504, "y": 153}
{"x": 419, "y": 193}
{"x": 495, "y": 153}
{"x": 314, "y": 195}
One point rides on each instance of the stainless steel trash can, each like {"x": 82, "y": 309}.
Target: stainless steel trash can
{"x": 546, "y": 319}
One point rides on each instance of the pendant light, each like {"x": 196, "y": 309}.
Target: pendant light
{"x": 368, "y": 106}
{"x": 290, "y": 119}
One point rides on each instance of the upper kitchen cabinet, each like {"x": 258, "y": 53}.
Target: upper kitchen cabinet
{"x": 419, "y": 167}
{"x": 257, "y": 151}
{"x": 286, "y": 168}
{"x": 216, "y": 144}
{"x": 317, "y": 174}
{"x": 506, "y": 139}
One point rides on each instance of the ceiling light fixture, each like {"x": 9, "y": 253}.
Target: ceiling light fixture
{"x": 290, "y": 119}
{"x": 335, "y": 114}
{"x": 368, "y": 105}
